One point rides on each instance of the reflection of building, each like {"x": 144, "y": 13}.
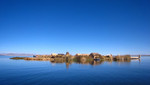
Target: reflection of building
{"x": 96, "y": 62}
{"x": 67, "y": 65}
{"x": 62, "y": 60}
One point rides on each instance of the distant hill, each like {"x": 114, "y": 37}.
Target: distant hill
{"x": 15, "y": 54}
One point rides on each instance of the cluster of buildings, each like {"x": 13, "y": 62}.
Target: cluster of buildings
{"x": 54, "y": 55}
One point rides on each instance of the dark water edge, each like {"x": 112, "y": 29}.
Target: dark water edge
{"x": 21, "y": 72}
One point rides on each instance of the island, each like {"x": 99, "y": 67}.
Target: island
{"x": 78, "y": 56}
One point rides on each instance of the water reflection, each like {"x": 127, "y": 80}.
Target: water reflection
{"x": 68, "y": 62}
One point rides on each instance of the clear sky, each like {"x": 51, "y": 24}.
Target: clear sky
{"x": 77, "y": 26}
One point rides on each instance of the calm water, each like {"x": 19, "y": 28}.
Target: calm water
{"x": 21, "y": 72}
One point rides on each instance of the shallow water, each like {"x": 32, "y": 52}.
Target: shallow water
{"x": 22, "y": 72}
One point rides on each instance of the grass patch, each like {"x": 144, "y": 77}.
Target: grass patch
{"x": 17, "y": 58}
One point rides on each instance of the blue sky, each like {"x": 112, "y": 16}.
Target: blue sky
{"x": 77, "y": 26}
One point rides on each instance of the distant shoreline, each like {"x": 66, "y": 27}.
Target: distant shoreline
{"x": 25, "y": 54}
{"x": 15, "y": 54}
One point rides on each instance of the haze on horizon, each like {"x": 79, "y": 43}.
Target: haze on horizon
{"x": 76, "y": 26}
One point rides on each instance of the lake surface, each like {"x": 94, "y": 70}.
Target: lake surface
{"x": 22, "y": 72}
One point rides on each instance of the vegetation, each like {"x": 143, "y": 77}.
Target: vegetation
{"x": 16, "y": 58}
{"x": 123, "y": 57}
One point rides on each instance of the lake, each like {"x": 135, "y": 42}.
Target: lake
{"x": 23, "y": 72}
